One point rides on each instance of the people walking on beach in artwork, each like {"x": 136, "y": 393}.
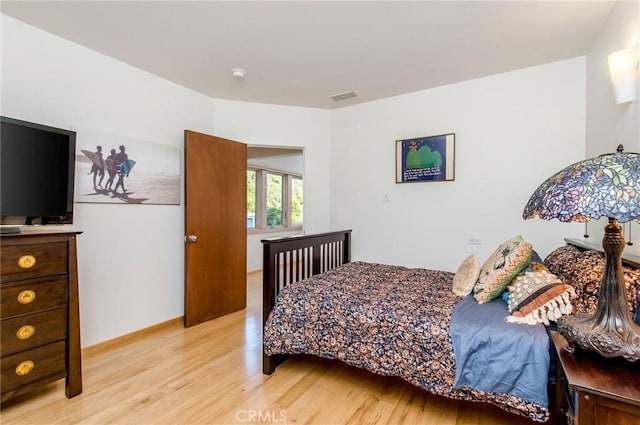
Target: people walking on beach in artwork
{"x": 117, "y": 164}
{"x": 122, "y": 168}
{"x": 97, "y": 168}
{"x": 110, "y": 164}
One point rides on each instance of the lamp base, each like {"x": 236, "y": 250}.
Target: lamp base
{"x": 610, "y": 331}
{"x": 587, "y": 333}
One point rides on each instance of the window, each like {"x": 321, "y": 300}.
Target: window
{"x": 251, "y": 198}
{"x": 297, "y": 201}
{"x": 274, "y": 200}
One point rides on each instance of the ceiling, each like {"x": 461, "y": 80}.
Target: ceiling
{"x": 301, "y": 53}
{"x": 257, "y": 152}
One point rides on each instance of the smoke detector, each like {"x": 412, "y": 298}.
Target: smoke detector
{"x": 238, "y": 73}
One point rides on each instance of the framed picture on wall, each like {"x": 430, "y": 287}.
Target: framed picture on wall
{"x": 116, "y": 169}
{"x": 430, "y": 158}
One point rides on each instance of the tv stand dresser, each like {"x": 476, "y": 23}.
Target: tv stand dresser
{"x": 39, "y": 316}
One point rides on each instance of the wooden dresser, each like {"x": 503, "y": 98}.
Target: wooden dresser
{"x": 593, "y": 390}
{"x": 39, "y": 316}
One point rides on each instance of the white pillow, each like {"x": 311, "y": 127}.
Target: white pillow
{"x": 466, "y": 276}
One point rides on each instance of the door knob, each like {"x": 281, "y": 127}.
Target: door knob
{"x": 192, "y": 238}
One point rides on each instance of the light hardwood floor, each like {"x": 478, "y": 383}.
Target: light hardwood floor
{"x": 212, "y": 374}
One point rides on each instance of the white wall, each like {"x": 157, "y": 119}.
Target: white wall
{"x": 131, "y": 257}
{"x": 608, "y": 123}
{"x": 513, "y": 130}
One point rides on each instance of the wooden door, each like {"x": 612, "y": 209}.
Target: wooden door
{"x": 215, "y": 227}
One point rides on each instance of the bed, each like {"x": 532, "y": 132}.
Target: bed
{"x": 404, "y": 322}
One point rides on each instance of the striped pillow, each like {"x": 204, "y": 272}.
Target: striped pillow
{"x": 509, "y": 259}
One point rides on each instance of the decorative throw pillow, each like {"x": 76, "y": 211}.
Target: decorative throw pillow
{"x": 466, "y": 276}
{"x": 535, "y": 265}
{"x": 584, "y": 271}
{"x": 500, "y": 268}
{"x": 538, "y": 296}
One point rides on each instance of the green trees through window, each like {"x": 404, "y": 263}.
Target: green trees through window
{"x": 297, "y": 202}
{"x": 251, "y": 198}
{"x": 274, "y": 199}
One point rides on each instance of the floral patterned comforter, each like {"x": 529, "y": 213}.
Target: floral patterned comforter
{"x": 390, "y": 320}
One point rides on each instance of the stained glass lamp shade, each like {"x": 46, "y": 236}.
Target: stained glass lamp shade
{"x": 604, "y": 186}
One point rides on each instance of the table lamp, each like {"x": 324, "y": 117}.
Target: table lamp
{"x": 604, "y": 186}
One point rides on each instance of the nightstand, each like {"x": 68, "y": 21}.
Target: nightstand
{"x": 593, "y": 390}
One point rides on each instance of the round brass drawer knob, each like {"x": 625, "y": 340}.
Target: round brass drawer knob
{"x": 25, "y": 368}
{"x": 27, "y": 261}
{"x": 27, "y": 296}
{"x": 25, "y": 332}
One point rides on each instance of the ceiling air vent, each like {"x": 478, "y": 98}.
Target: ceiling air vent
{"x": 343, "y": 96}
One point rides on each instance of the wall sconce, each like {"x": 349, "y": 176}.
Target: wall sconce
{"x": 623, "y": 67}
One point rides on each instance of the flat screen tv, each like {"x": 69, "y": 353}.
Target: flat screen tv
{"x": 37, "y": 168}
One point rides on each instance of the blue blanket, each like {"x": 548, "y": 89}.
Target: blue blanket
{"x": 499, "y": 357}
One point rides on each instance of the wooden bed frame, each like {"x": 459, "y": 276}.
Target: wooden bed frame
{"x": 289, "y": 259}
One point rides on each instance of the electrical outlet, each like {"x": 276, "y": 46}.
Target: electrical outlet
{"x": 474, "y": 241}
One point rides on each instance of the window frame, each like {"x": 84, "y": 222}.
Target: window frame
{"x": 261, "y": 201}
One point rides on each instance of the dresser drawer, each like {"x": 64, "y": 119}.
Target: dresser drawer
{"x": 33, "y": 295}
{"x": 30, "y": 366}
{"x": 32, "y": 330}
{"x": 24, "y": 261}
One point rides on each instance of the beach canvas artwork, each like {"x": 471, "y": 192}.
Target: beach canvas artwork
{"x": 123, "y": 170}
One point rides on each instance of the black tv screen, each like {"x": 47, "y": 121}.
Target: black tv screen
{"x": 37, "y": 167}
